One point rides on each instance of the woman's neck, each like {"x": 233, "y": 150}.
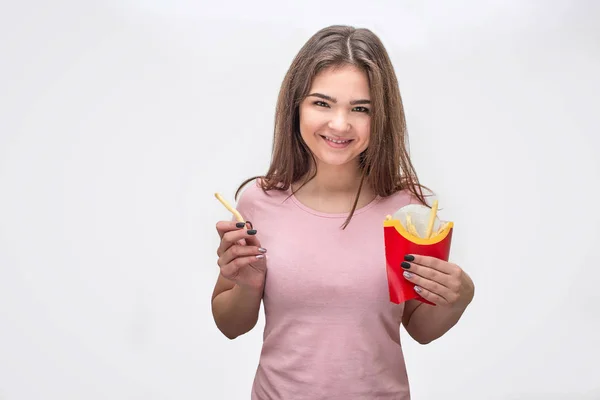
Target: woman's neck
{"x": 334, "y": 189}
{"x": 334, "y": 180}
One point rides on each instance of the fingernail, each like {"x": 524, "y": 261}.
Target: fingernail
{"x": 248, "y": 223}
{"x": 405, "y": 265}
{"x": 409, "y": 257}
{"x": 407, "y": 274}
{"x": 262, "y": 250}
{"x": 260, "y": 256}
{"x": 240, "y": 225}
{"x": 418, "y": 289}
{"x": 251, "y": 231}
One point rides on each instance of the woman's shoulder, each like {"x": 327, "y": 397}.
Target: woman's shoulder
{"x": 399, "y": 199}
{"x": 253, "y": 194}
{"x": 248, "y": 191}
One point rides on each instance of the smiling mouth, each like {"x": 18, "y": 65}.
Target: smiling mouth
{"x": 336, "y": 141}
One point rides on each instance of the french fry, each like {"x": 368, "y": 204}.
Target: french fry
{"x": 411, "y": 227}
{"x": 431, "y": 219}
{"x": 235, "y": 212}
{"x": 441, "y": 229}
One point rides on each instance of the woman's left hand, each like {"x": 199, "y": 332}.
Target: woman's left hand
{"x": 441, "y": 282}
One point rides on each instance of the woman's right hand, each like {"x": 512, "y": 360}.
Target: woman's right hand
{"x": 241, "y": 258}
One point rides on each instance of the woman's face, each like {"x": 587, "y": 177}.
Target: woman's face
{"x": 335, "y": 117}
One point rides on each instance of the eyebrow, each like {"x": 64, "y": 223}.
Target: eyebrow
{"x": 333, "y": 100}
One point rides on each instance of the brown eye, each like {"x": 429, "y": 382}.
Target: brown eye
{"x": 321, "y": 104}
{"x": 362, "y": 109}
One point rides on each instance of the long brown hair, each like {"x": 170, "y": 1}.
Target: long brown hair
{"x": 385, "y": 164}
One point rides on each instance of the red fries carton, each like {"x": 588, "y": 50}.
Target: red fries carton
{"x": 413, "y": 229}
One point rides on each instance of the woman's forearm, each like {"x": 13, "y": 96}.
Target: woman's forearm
{"x": 235, "y": 311}
{"x": 428, "y": 323}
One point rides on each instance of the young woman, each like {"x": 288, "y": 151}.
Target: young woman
{"x": 314, "y": 253}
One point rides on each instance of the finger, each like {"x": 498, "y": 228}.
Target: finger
{"x": 431, "y": 262}
{"x": 237, "y": 251}
{"x": 232, "y": 269}
{"x": 233, "y": 237}
{"x": 252, "y": 240}
{"x": 434, "y": 288}
{"x": 428, "y": 273}
{"x": 428, "y": 295}
{"x": 228, "y": 226}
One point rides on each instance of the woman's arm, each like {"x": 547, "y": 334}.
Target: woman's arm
{"x": 442, "y": 283}
{"x": 426, "y": 323}
{"x": 235, "y": 308}
{"x": 238, "y": 291}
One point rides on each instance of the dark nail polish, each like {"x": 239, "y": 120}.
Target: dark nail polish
{"x": 405, "y": 265}
{"x": 251, "y": 231}
{"x": 249, "y": 224}
{"x": 240, "y": 225}
{"x": 409, "y": 257}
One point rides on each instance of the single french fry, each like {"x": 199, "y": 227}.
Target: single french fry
{"x": 442, "y": 228}
{"x": 411, "y": 227}
{"x": 432, "y": 215}
{"x": 235, "y": 212}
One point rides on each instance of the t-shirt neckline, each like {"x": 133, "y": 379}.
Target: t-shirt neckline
{"x": 309, "y": 210}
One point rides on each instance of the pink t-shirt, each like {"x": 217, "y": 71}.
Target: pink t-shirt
{"x": 331, "y": 331}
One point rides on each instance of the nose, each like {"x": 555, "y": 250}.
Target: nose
{"x": 339, "y": 122}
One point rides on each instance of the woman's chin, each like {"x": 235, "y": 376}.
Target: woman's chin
{"x": 330, "y": 160}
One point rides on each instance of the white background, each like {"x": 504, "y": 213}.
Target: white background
{"x": 120, "y": 119}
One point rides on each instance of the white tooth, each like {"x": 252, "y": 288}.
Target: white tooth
{"x": 337, "y": 141}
